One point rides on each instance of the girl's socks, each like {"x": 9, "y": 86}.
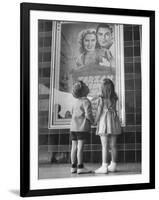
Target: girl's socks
{"x": 112, "y": 167}
{"x": 103, "y": 169}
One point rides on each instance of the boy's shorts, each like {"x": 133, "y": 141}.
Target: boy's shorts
{"x": 79, "y": 135}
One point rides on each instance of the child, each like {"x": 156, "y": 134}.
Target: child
{"x": 108, "y": 125}
{"x": 80, "y": 126}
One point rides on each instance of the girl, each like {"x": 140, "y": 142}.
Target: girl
{"x": 108, "y": 125}
{"x": 80, "y": 126}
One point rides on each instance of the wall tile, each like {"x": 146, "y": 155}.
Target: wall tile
{"x": 128, "y": 51}
{"x": 129, "y": 68}
{"x": 96, "y": 156}
{"x": 136, "y": 51}
{"x": 120, "y": 139}
{"x": 43, "y": 139}
{"x": 130, "y": 119}
{"x": 53, "y": 139}
{"x": 41, "y": 25}
{"x": 95, "y": 139}
{"x": 138, "y": 119}
{"x": 138, "y": 100}
{"x": 138, "y": 156}
{"x": 138, "y": 137}
{"x": 87, "y": 157}
{"x": 121, "y": 156}
{"x": 129, "y": 101}
{"x": 48, "y": 25}
{"x": 128, "y": 28}
{"x": 136, "y": 34}
{"x": 64, "y": 138}
{"x": 45, "y": 72}
{"x": 138, "y": 84}
{"x": 130, "y": 156}
{"x": 129, "y": 84}
{"x": 127, "y": 35}
{"x": 130, "y": 137}
{"x": 137, "y": 68}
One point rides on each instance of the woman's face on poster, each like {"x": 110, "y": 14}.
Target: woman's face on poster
{"x": 89, "y": 42}
{"x": 104, "y": 37}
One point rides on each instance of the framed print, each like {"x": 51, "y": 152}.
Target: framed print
{"x": 87, "y": 99}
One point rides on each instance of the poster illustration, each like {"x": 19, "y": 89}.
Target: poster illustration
{"x": 82, "y": 51}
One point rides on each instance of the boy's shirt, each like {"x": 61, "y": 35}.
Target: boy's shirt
{"x": 81, "y": 115}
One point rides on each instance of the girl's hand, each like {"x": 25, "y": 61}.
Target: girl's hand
{"x": 95, "y": 97}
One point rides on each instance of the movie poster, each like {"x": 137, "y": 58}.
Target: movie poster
{"x": 82, "y": 51}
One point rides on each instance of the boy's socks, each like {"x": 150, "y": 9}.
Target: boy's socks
{"x": 80, "y": 166}
{"x": 74, "y": 165}
{"x": 74, "y": 168}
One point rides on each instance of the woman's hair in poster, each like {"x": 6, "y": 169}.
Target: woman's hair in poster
{"x": 82, "y": 35}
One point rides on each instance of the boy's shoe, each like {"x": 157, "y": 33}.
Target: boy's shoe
{"x": 102, "y": 170}
{"x": 73, "y": 170}
{"x": 112, "y": 167}
{"x": 83, "y": 171}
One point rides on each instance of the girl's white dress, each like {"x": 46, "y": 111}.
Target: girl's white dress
{"x": 108, "y": 121}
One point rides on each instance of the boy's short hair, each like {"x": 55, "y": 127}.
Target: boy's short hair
{"x": 77, "y": 90}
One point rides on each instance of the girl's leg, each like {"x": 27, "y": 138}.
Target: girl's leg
{"x": 74, "y": 156}
{"x": 112, "y": 166}
{"x": 113, "y": 148}
{"x": 104, "y": 142}
{"x": 104, "y": 168}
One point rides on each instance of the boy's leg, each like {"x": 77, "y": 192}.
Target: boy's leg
{"x": 80, "y": 146}
{"x": 74, "y": 152}
{"x": 81, "y": 169}
{"x": 74, "y": 156}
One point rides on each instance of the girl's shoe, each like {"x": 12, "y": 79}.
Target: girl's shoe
{"x": 102, "y": 170}
{"x": 73, "y": 170}
{"x": 112, "y": 167}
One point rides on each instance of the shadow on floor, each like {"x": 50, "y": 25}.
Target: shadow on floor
{"x": 47, "y": 171}
{"x": 15, "y": 192}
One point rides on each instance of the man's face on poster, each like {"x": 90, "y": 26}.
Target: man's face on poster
{"x": 104, "y": 37}
{"x": 89, "y": 42}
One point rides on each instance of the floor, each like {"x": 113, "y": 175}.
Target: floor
{"x": 47, "y": 171}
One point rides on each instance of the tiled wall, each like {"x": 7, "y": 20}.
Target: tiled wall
{"x": 54, "y": 145}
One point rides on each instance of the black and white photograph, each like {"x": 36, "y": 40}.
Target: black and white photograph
{"x": 88, "y": 53}
{"x": 89, "y": 116}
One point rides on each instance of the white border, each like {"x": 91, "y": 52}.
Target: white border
{"x": 93, "y": 181}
